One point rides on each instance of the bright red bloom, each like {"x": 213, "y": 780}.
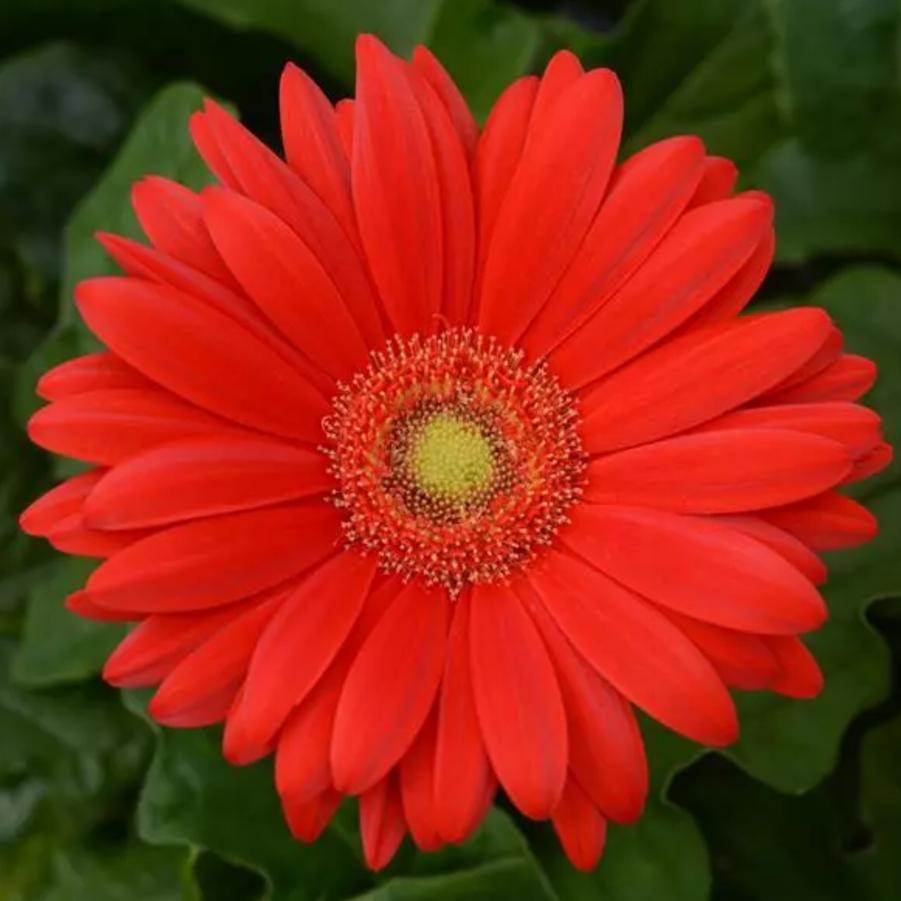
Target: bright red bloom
{"x": 423, "y": 456}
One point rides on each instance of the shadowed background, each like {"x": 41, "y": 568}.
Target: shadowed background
{"x": 805, "y": 95}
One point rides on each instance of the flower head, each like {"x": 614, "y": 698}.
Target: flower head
{"x": 424, "y": 456}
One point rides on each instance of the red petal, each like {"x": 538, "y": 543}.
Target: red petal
{"x": 827, "y": 522}
{"x": 856, "y": 427}
{"x": 697, "y": 566}
{"x": 696, "y": 258}
{"x": 872, "y": 462}
{"x": 562, "y": 71}
{"x": 72, "y": 536}
{"x": 698, "y": 376}
{"x": 60, "y": 502}
{"x": 518, "y": 701}
{"x": 307, "y": 819}
{"x": 580, "y": 827}
{"x": 191, "y": 692}
{"x": 848, "y": 379}
{"x": 719, "y": 471}
{"x": 154, "y": 647}
{"x": 213, "y": 561}
{"x": 80, "y": 603}
{"x": 417, "y": 783}
{"x": 717, "y": 181}
{"x": 428, "y": 66}
{"x": 203, "y": 477}
{"x": 463, "y": 774}
{"x": 147, "y": 263}
{"x": 641, "y": 653}
{"x": 393, "y": 681}
{"x": 93, "y": 372}
{"x": 646, "y": 196}
{"x": 552, "y": 198}
{"x": 606, "y": 752}
{"x": 171, "y": 218}
{"x": 110, "y": 426}
{"x": 737, "y": 293}
{"x": 457, "y": 205}
{"x": 316, "y": 618}
{"x": 313, "y": 145}
{"x": 799, "y": 674}
{"x": 302, "y": 763}
{"x": 201, "y": 355}
{"x": 498, "y": 154}
{"x": 275, "y": 267}
{"x": 344, "y": 120}
{"x": 253, "y": 169}
{"x": 396, "y": 191}
{"x": 796, "y": 552}
{"x": 742, "y": 660}
{"x": 382, "y": 825}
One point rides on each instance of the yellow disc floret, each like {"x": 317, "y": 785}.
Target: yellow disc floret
{"x": 451, "y": 458}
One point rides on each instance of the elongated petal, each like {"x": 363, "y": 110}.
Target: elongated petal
{"x": 698, "y": 567}
{"x": 190, "y": 693}
{"x": 110, "y": 426}
{"x": 498, "y": 154}
{"x": 93, "y": 372}
{"x": 518, "y": 701}
{"x": 550, "y": 203}
{"x": 799, "y": 674}
{"x": 245, "y": 164}
{"x": 647, "y": 194}
{"x": 307, "y": 819}
{"x": 457, "y": 205}
{"x": 847, "y": 379}
{"x": 719, "y": 471}
{"x": 580, "y": 827}
{"x": 462, "y": 771}
{"x": 427, "y": 64}
{"x": 742, "y": 660}
{"x": 738, "y": 292}
{"x": 317, "y": 619}
{"x": 382, "y": 825}
{"x": 717, "y": 180}
{"x": 394, "y": 679}
{"x": 170, "y": 216}
{"x": 312, "y": 143}
{"x": 606, "y": 752}
{"x": 396, "y": 191}
{"x": 416, "y": 772}
{"x": 154, "y": 647}
{"x": 213, "y": 561}
{"x": 699, "y": 376}
{"x": 827, "y": 522}
{"x": 853, "y": 426}
{"x": 286, "y": 281}
{"x": 201, "y": 355}
{"x": 73, "y": 536}
{"x": 60, "y": 502}
{"x": 698, "y": 256}
{"x": 203, "y": 477}
{"x": 792, "y": 549}
{"x": 635, "y": 648}
{"x": 302, "y": 763}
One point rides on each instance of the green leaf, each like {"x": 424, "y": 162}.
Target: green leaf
{"x": 483, "y": 43}
{"x": 57, "y": 646}
{"x": 837, "y": 182}
{"x": 160, "y": 144}
{"x": 193, "y": 797}
{"x": 793, "y": 744}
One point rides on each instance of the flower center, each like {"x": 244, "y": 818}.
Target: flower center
{"x": 455, "y": 461}
{"x": 451, "y": 458}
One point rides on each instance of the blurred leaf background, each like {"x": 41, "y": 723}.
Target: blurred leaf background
{"x": 95, "y": 804}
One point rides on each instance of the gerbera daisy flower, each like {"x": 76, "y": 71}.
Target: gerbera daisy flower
{"x": 425, "y": 455}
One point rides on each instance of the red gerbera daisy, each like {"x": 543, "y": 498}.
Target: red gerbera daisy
{"x": 424, "y": 455}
